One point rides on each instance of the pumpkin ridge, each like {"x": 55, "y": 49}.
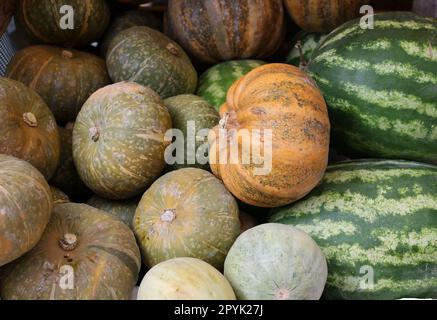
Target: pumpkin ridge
{"x": 128, "y": 260}
{"x": 29, "y": 25}
{"x": 38, "y": 74}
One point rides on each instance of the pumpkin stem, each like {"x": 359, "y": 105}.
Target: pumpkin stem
{"x": 94, "y": 134}
{"x": 282, "y": 294}
{"x": 224, "y": 121}
{"x": 172, "y": 49}
{"x": 67, "y": 54}
{"x": 168, "y": 216}
{"x": 69, "y": 242}
{"x": 30, "y": 119}
{"x": 303, "y": 64}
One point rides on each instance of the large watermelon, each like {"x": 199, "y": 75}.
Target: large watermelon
{"x": 376, "y": 222}
{"x": 215, "y": 82}
{"x": 381, "y": 86}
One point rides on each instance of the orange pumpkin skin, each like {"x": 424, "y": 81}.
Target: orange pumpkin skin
{"x": 285, "y": 100}
{"x": 323, "y": 15}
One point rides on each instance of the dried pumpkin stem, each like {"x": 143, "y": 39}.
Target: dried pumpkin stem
{"x": 68, "y": 242}
{"x": 169, "y": 215}
{"x": 303, "y": 64}
{"x": 94, "y": 134}
{"x": 30, "y": 119}
{"x": 282, "y": 294}
{"x": 67, "y": 54}
{"x": 172, "y": 49}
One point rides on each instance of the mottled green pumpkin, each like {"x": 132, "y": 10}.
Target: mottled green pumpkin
{"x": 66, "y": 176}
{"x": 122, "y": 209}
{"x": 47, "y": 21}
{"x": 118, "y": 140}
{"x": 97, "y": 248}
{"x": 148, "y": 57}
{"x": 64, "y": 78}
{"x": 192, "y": 118}
{"x": 27, "y": 127}
{"x": 126, "y": 20}
{"x": 58, "y": 196}
{"x": 25, "y": 207}
{"x": 186, "y": 213}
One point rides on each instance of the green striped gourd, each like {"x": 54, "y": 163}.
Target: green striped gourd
{"x": 381, "y": 86}
{"x": 309, "y": 42}
{"x": 215, "y": 82}
{"x": 376, "y": 222}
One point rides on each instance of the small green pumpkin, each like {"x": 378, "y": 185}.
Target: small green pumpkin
{"x": 84, "y": 254}
{"x": 193, "y": 117}
{"x": 186, "y": 213}
{"x": 118, "y": 140}
{"x": 25, "y": 207}
{"x": 148, "y": 57}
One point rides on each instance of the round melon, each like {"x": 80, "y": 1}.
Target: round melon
{"x": 192, "y": 118}
{"x": 276, "y": 262}
{"x": 27, "y": 127}
{"x": 118, "y": 140}
{"x": 215, "y": 82}
{"x": 84, "y": 254}
{"x": 66, "y": 23}
{"x": 185, "y": 279}
{"x": 186, "y": 213}
{"x": 122, "y": 209}
{"x": 63, "y": 78}
{"x": 148, "y": 57}
{"x": 25, "y": 207}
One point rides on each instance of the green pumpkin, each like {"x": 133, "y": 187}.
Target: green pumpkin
{"x": 148, "y": 57}
{"x": 27, "y": 127}
{"x": 43, "y": 21}
{"x": 186, "y": 213}
{"x": 64, "y": 78}
{"x": 98, "y": 249}
{"x": 122, "y": 209}
{"x": 126, "y": 20}
{"x": 118, "y": 140}
{"x": 25, "y": 207}
{"x": 191, "y": 115}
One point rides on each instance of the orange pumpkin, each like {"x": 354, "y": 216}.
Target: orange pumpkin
{"x": 285, "y": 100}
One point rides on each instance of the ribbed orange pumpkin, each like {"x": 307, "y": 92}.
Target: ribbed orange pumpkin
{"x": 323, "y": 15}
{"x": 285, "y": 100}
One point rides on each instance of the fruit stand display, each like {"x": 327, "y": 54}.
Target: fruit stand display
{"x": 218, "y": 150}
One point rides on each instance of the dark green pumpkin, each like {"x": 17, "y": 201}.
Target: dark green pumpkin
{"x": 118, "y": 140}
{"x": 99, "y": 250}
{"x": 64, "y": 78}
{"x": 126, "y": 20}
{"x": 190, "y": 115}
{"x": 25, "y": 207}
{"x": 148, "y": 57}
{"x": 66, "y": 177}
{"x": 27, "y": 127}
{"x": 122, "y": 209}
{"x": 42, "y": 21}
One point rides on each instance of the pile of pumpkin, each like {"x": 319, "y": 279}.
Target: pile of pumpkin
{"x": 84, "y": 183}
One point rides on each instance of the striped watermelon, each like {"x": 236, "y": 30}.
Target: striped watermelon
{"x": 309, "y": 43}
{"x": 381, "y": 86}
{"x": 215, "y": 82}
{"x": 373, "y": 216}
